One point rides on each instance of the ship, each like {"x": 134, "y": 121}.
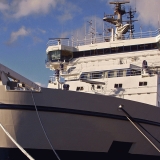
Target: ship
{"x": 102, "y": 101}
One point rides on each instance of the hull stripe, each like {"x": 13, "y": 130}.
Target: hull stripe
{"x": 74, "y": 111}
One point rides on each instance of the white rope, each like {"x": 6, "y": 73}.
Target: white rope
{"x": 43, "y": 127}
{"x": 143, "y": 134}
{"x": 16, "y": 142}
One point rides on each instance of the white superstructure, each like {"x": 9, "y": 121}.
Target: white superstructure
{"x": 124, "y": 66}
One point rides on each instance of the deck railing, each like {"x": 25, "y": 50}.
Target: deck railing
{"x": 101, "y": 39}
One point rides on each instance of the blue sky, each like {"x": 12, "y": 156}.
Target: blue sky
{"x": 26, "y": 25}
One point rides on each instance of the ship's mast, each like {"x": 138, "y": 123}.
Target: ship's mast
{"x": 116, "y": 19}
{"x": 130, "y": 17}
{"x": 119, "y": 11}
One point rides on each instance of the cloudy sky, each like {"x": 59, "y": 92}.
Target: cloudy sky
{"x": 26, "y": 25}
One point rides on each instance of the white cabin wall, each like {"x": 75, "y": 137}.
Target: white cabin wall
{"x": 143, "y": 98}
{"x": 103, "y": 62}
{"x": 131, "y": 89}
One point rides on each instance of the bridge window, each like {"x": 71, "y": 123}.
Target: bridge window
{"x": 66, "y": 55}
{"x": 148, "y": 46}
{"x": 54, "y": 56}
{"x": 134, "y": 48}
{"x": 114, "y": 50}
{"x": 154, "y": 45}
{"x": 87, "y": 53}
{"x": 107, "y": 51}
{"x": 78, "y": 54}
{"x": 141, "y": 47}
{"x": 120, "y": 49}
{"x": 100, "y": 51}
{"x": 127, "y": 48}
{"x": 93, "y": 52}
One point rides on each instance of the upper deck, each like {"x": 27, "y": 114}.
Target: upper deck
{"x": 139, "y": 37}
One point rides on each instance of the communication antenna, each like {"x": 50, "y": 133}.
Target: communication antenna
{"x": 158, "y": 22}
{"x": 130, "y": 16}
{"x": 92, "y": 30}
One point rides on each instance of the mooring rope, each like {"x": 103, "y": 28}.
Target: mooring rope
{"x": 12, "y": 139}
{"x": 121, "y": 107}
{"x": 43, "y": 127}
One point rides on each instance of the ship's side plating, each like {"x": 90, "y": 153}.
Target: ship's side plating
{"x": 77, "y": 122}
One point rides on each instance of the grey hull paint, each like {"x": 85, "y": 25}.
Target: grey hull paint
{"x": 72, "y": 131}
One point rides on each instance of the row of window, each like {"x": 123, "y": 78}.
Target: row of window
{"x": 110, "y": 74}
{"x": 115, "y": 86}
{"x": 119, "y": 49}
{"x": 120, "y": 85}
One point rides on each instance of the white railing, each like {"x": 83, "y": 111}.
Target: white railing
{"x": 100, "y": 39}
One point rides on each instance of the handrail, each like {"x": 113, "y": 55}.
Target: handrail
{"x": 101, "y": 39}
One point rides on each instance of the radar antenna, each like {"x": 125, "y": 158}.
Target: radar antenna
{"x": 116, "y": 19}
{"x": 119, "y": 10}
{"x": 58, "y": 39}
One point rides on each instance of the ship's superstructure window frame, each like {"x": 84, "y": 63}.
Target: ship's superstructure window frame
{"x": 119, "y": 73}
{"x": 141, "y": 47}
{"x": 118, "y": 85}
{"x": 96, "y": 75}
{"x": 80, "y": 88}
{"x": 54, "y": 55}
{"x": 110, "y": 74}
{"x": 117, "y": 49}
{"x": 99, "y": 87}
{"x": 127, "y": 48}
{"x": 142, "y": 83}
{"x": 59, "y": 55}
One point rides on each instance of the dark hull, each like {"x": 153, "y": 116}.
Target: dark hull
{"x": 80, "y": 126}
{"x": 39, "y": 154}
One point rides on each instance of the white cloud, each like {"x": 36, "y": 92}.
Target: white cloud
{"x": 69, "y": 11}
{"x": 22, "y": 8}
{"x": 37, "y": 39}
{"x": 27, "y": 7}
{"x": 3, "y": 6}
{"x": 20, "y": 33}
{"x": 148, "y": 11}
{"x": 85, "y": 30}
{"x": 42, "y": 30}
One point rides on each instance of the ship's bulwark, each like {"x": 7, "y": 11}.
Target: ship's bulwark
{"x": 79, "y": 125}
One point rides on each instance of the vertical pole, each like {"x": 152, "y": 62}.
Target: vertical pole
{"x": 85, "y": 33}
{"x": 95, "y": 30}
